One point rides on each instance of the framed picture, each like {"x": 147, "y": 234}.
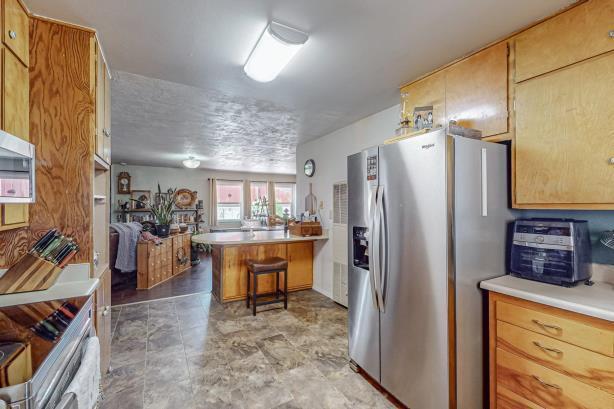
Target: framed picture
{"x": 144, "y": 196}
{"x": 423, "y": 117}
{"x": 158, "y": 197}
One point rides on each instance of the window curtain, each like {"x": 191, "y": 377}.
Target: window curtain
{"x": 271, "y": 192}
{"x": 247, "y": 200}
{"x": 212, "y": 202}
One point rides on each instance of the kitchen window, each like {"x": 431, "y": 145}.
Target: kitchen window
{"x": 229, "y": 201}
{"x": 285, "y": 199}
{"x": 259, "y": 198}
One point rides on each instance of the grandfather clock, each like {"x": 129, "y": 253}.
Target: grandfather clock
{"x": 123, "y": 183}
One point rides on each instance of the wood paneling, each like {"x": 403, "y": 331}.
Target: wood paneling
{"x": 564, "y": 135}
{"x": 575, "y": 35}
{"x": 61, "y": 127}
{"x": 425, "y": 92}
{"x": 15, "y": 31}
{"x": 580, "y": 364}
{"x": 476, "y": 91}
{"x": 546, "y": 387}
{"x": 300, "y": 266}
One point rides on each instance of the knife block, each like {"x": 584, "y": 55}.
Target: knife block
{"x": 30, "y": 273}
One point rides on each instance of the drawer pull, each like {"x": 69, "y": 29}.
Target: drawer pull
{"x": 12, "y": 34}
{"x": 547, "y": 326}
{"x": 554, "y": 350}
{"x": 546, "y": 384}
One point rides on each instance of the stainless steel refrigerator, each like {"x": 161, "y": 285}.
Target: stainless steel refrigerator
{"x": 427, "y": 222}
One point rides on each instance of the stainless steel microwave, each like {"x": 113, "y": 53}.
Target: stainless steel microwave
{"x": 17, "y": 170}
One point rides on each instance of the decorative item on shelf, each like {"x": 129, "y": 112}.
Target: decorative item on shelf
{"x": 123, "y": 183}
{"x": 423, "y": 117}
{"x": 183, "y": 227}
{"x": 174, "y": 229}
{"x": 406, "y": 123}
{"x": 311, "y": 202}
{"x": 185, "y": 198}
{"x": 141, "y": 199}
{"x": 607, "y": 239}
{"x": 455, "y": 129}
{"x": 123, "y": 205}
{"x": 162, "y": 211}
{"x": 41, "y": 266}
{"x": 200, "y": 204}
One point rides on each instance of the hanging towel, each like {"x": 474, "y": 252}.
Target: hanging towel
{"x": 126, "y": 245}
{"x": 86, "y": 383}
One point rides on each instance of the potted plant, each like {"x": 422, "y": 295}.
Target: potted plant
{"x": 162, "y": 210}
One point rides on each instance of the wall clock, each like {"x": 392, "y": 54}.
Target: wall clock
{"x": 310, "y": 167}
{"x": 123, "y": 183}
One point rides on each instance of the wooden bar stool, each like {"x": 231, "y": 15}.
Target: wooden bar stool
{"x": 256, "y": 268}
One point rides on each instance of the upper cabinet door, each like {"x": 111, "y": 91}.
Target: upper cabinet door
{"x": 107, "y": 114}
{"x": 575, "y": 35}
{"x": 15, "y": 94}
{"x": 429, "y": 91}
{"x": 476, "y": 91}
{"x": 16, "y": 31}
{"x": 564, "y": 144}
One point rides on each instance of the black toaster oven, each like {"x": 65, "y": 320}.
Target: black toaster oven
{"x": 556, "y": 251}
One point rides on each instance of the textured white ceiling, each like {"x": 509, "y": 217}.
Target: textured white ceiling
{"x": 358, "y": 53}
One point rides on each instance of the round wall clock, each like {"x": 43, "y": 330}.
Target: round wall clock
{"x": 310, "y": 167}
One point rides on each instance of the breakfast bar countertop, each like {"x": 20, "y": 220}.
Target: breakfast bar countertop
{"x": 257, "y": 237}
{"x": 596, "y": 300}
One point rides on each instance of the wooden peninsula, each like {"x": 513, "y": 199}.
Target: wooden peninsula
{"x": 231, "y": 250}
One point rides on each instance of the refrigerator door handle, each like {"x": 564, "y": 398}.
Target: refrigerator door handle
{"x": 373, "y": 240}
{"x": 484, "y": 183}
{"x": 382, "y": 248}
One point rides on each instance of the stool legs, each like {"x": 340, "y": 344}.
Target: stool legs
{"x": 255, "y": 289}
{"x": 285, "y": 288}
{"x": 247, "y": 298}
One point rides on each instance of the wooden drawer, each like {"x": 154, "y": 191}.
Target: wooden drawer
{"x": 570, "y": 37}
{"x": 583, "y": 365}
{"x": 558, "y": 324}
{"x": 16, "y": 30}
{"x": 546, "y": 387}
{"x": 509, "y": 400}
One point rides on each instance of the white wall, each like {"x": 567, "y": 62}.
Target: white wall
{"x": 329, "y": 153}
{"x": 148, "y": 177}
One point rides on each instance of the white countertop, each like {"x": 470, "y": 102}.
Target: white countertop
{"x": 74, "y": 281}
{"x": 596, "y": 300}
{"x": 271, "y": 236}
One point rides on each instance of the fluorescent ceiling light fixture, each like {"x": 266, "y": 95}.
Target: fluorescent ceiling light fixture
{"x": 273, "y": 51}
{"x": 191, "y": 163}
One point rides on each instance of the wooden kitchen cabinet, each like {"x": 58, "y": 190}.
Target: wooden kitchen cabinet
{"x": 158, "y": 263}
{"x": 564, "y": 148}
{"x": 574, "y": 35}
{"x": 103, "y": 319}
{"x": 476, "y": 91}
{"x": 15, "y": 33}
{"x": 429, "y": 91}
{"x": 545, "y": 357}
{"x": 300, "y": 266}
{"x": 15, "y": 120}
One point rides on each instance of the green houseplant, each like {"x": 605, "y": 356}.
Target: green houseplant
{"x": 162, "y": 210}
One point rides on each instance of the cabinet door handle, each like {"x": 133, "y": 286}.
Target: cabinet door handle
{"x": 548, "y": 349}
{"x": 611, "y": 161}
{"x": 546, "y": 384}
{"x": 547, "y": 326}
{"x": 611, "y": 33}
{"x": 12, "y": 34}
{"x": 105, "y": 311}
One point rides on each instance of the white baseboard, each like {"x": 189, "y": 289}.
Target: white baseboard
{"x": 328, "y": 294}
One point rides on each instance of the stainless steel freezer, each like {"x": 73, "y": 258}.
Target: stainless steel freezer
{"x": 427, "y": 222}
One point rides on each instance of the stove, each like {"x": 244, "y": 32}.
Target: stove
{"x": 41, "y": 345}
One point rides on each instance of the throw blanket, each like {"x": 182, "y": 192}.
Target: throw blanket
{"x": 86, "y": 383}
{"x": 126, "y": 246}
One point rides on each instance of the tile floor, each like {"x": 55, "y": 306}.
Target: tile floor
{"x": 192, "y": 352}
